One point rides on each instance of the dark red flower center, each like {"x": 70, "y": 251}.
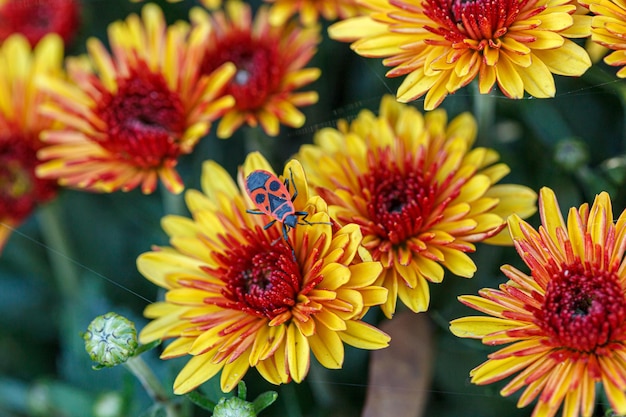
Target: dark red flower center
{"x": 262, "y": 277}
{"x": 480, "y": 20}
{"x": 145, "y": 120}
{"x": 259, "y": 67}
{"x": 584, "y": 309}
{"x": 399, "y": 202}
{"x": 36, "y": 18}
{"x": 20, "y": 189}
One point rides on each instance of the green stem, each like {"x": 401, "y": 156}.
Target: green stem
{"x": 484, "y": 106}
{"x": 172, "y": 203}
{"x": 59, "y": 249}
{"x": 151, "y": 384}
{"x": 253, "y": 139}
{"x": 290, "y": 398}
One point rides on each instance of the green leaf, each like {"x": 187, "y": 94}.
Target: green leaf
{"x": 242, "y": 391}
{"x": 201, "y": 401}
{"x": 264, "y": 400}
{"x": 145, "y": 348}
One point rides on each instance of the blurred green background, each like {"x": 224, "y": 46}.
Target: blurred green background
{"x": 573, "y": 143}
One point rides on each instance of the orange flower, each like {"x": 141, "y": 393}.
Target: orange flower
{"x": 310, "y": 11}
{"x": 442, "y": 45}
{"x": 270, "y": 66}
{"x": 20, "y": 124}
{"x": 419, "y": 192}
{"x": 566, "y": 321}
{"x": 608, "y": 29}
{"x": 239, "y": 295}
{"x": 131, "y": 114}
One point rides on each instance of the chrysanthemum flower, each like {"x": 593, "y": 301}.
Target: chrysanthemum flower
{"x": 36, "y": 18}
{"x": 421, "y": 196}
{"x": 131, "y": 114}
{"x": 566, "y": 321}
{"x": 442, "y": 45}
{"x": 240, "y": 296}
{"x": 608, "y": 28}
{"x": 20, "y": 190}
{"x": 270, "y": 64}
{"x": 309, "y": 11}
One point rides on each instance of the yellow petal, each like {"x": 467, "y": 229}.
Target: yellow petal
{"x": 215, "y": 180}
{"x": 364, "y": 336}
{"x": 156, "y": 266}
{"x": 569, "y": 59}
{"x": 550, "y": 212}
{"x": 356, "y": 28}
{"x": 298, "y": 355}
{"x": 327, "y": 347}
{"x": 538, "y": 79}
{"x": 513, "y": 198}
{"x": 495, "y": 369}
{"x": 477, "y": 327}
{"x": 458, "y": 262}
{"x": 233, "y": 372}
{"x": 198, "y": 370}
{"x": 416, "y": 299}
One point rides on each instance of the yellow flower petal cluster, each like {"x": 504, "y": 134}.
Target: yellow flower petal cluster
{"x": 132, "y": 112}
{"x": 608, "y": 29}
{"x": 270, "y": 62}
{"x": 310, "y": 11}
{"x": 565, "y": 322}
{"x": 239, "y": 295}
{"x": 442, "y": 45}
{"x": 20, "y": 125}
{"x": 419, "y": 192}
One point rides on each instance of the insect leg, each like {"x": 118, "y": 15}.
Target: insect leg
{"x": 295, "y": 189}
{"x": 267, "y": 226}
{"x": 304, "y": 221}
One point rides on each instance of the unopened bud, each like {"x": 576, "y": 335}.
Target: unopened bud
{"x": 234, "y": 407}
{"x": 571, "y": 154}
{"x": 110, "y": 340}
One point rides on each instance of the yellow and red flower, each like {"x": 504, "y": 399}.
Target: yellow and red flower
{"x": 209, "y": 4}
{"x": 36, "y": 18}
{"x": 608, "y": 29}
{"x": 131, "y": 113}
{"x": 309, "y": 11}
{"x": 565, "y": 323}
{"x": 420, "y": 194}
{"x": 270, "y": 64}
{"x": 20, "y": 124}
{"x": 442, "y": 45}
{"x": 239, "y": 295}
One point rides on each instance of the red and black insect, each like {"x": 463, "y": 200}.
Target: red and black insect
{"x": 273, "y": 199}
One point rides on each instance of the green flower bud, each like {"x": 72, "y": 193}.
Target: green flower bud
{"x": 110, "y": 340}
{"x": 233, "y": 407}
{"x": 571, "y": 154}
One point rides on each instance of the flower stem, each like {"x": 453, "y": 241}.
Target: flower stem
{"x": 59, "y": 250}
{"x": 484, "y": 106}
{"x": 172, "y": 203}
{"x": 290, "y": 398}
{"x": 138, "y": 367}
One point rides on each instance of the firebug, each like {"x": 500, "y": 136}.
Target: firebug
{"x": 272, "y": 198}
